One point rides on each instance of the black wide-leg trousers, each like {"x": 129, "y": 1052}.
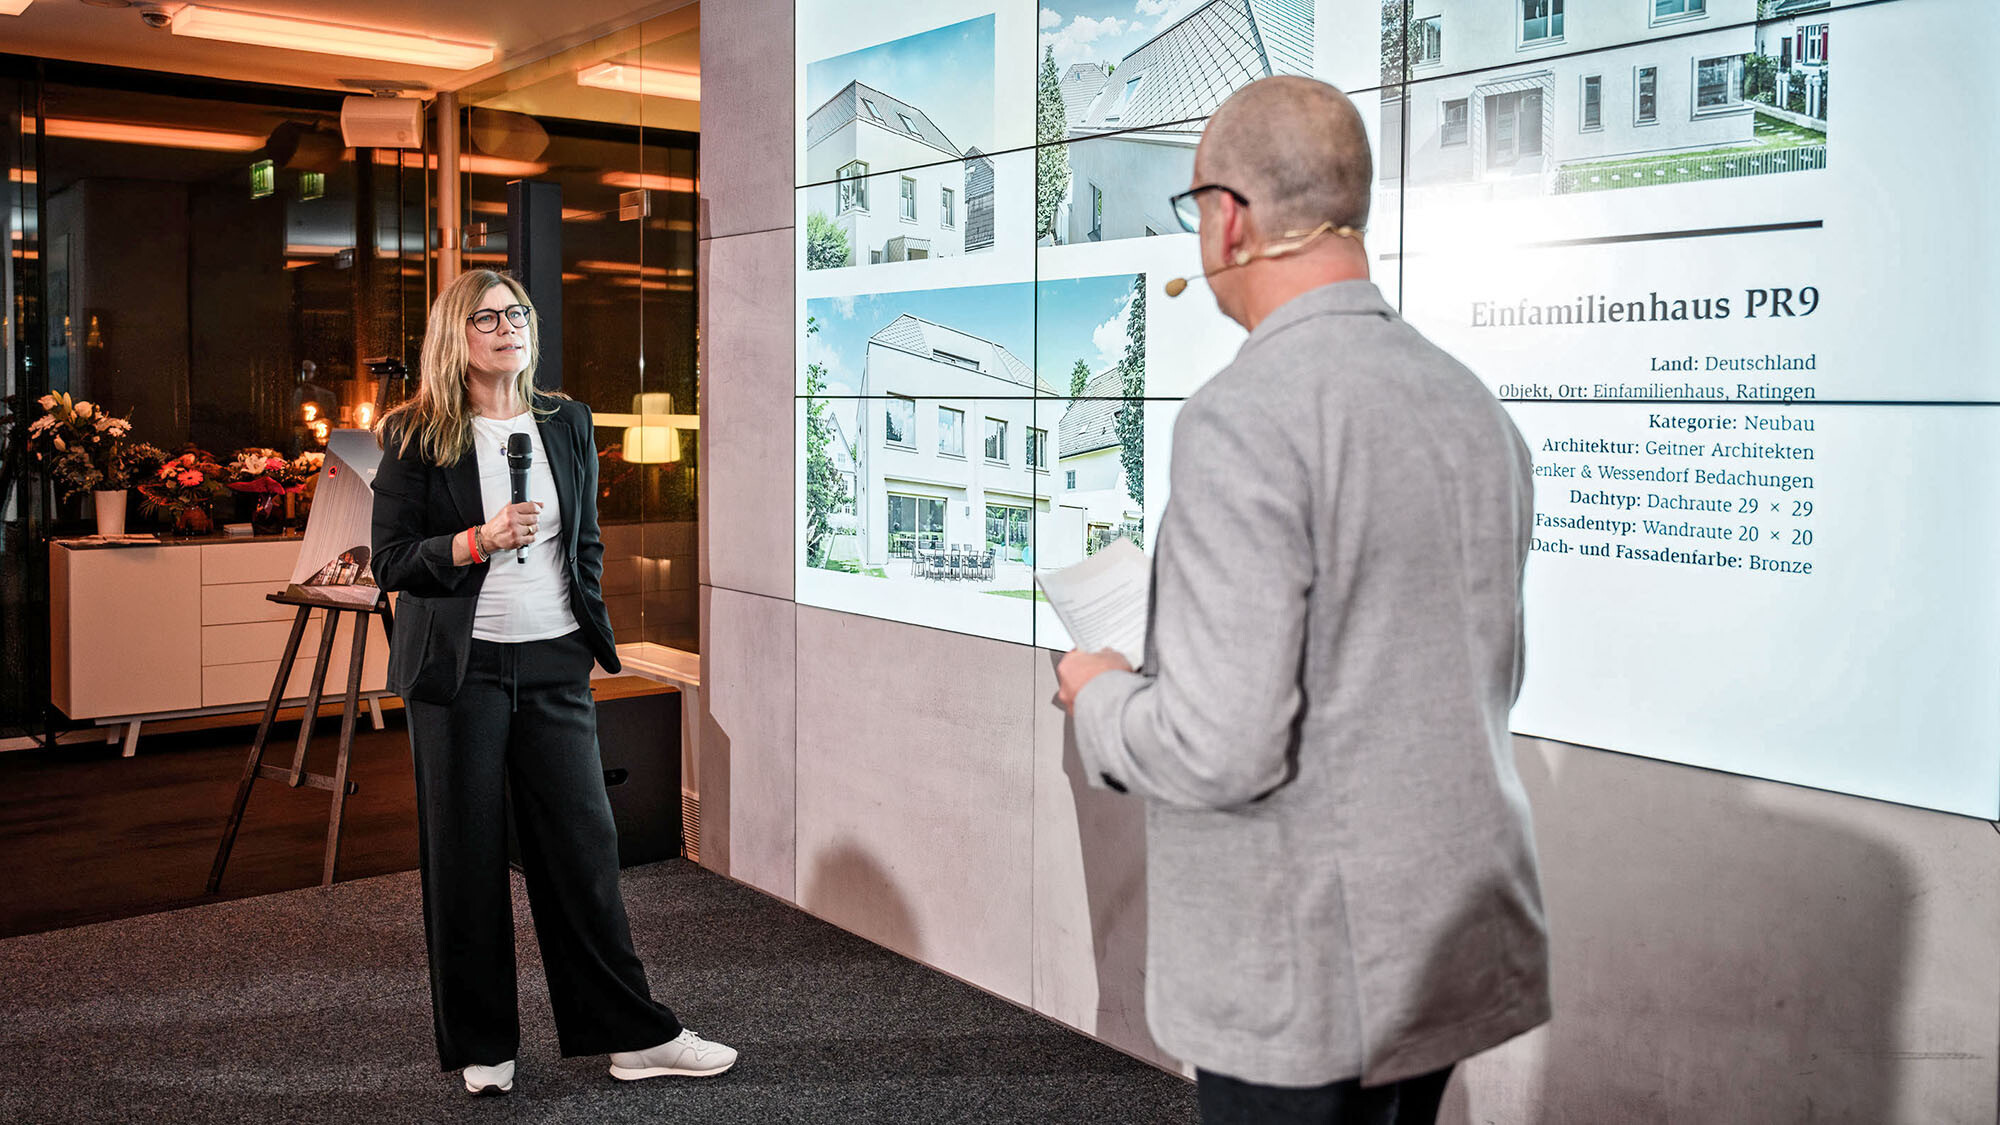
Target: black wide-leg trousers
{"x": 524, "y": 723}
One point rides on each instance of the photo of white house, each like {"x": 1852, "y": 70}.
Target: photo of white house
{"x": 1514, "y": 98}
{"x": 1147, "y": 101}
{"x": 894, "y": 150}
{"x": 951, "y": 468}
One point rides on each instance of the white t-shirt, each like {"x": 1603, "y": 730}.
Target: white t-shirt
{"x": 521, "y": 601}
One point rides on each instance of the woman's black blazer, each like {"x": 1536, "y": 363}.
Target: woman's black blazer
{"x": 421, "y": 508}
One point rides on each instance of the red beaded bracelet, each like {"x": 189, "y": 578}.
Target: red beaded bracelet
{"x": 472, "y": 544}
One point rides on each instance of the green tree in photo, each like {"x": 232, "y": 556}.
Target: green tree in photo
{"x": 1052, "y": 157}
{"x": 826, "y": 493}
{"x": 1079, "y": 378}
{"x": 1132, "y": 419}
{"x": 1397, "y": 33}
{"x": 826, "y": 244}
{"x": 1760, "y": 78}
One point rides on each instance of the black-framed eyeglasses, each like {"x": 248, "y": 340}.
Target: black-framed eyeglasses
{"x": 488, "y": 320}
{"x": 1187, "y": 207}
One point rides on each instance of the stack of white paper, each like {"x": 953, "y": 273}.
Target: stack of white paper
{"x": 1103, "y": 600}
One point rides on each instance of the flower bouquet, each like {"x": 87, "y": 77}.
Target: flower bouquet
{"x": 308, "y": 466}
{"x": 83, "y": 449}
{"x": 266, "y": 474}
{"x": 183, "y": 489}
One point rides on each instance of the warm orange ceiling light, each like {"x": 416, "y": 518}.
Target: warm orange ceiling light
{"x": 649, "y": 182}
{"x": 328, "y": 38}
{"x": 22, "y": 175}
{"x": 651, "y": 81}
{"x": 125, "y": 132}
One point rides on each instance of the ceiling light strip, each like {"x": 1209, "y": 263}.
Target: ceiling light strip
{"x": 650, "y": 81}
{"x": 328, "y": 38}
{"x": 163, "y": 136}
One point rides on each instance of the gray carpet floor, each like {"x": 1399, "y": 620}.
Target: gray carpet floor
{"x": 314, "y": 1006}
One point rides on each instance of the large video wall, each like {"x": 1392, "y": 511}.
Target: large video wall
{"x": 1751, "y": 349}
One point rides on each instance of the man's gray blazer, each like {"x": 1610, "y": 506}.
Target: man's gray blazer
{"x": 1341, "y": 872}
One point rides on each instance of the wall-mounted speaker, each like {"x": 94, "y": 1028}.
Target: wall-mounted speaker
{"x": 382, "y": 122}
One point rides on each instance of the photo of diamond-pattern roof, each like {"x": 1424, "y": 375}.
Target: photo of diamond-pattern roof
{"x": 1187, "y": 70}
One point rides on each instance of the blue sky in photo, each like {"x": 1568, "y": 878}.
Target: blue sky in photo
{"x": 1081, "y": 318}
{"x": 947, "y": 73}
{"x": 1003, "y": 314}
{"x": 1105, "y": 30}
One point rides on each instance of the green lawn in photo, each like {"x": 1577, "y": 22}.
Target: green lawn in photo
{"x": 844, "y": 567}
{"x": 1037, "y": 595}
{"x": 1773, "y": 135}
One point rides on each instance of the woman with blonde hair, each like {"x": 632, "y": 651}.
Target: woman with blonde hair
{"x": 500, "y": 619}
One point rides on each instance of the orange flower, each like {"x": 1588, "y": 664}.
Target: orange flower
{"x": 190, "y": 478}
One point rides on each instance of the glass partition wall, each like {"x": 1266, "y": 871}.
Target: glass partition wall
{"x": 184, "y": 252}
{"x": 613, "y": 125}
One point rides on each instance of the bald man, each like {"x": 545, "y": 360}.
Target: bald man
{"x": 1342, "y": 888}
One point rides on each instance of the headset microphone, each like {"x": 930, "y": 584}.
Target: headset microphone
{"x": 1292, "y": 243}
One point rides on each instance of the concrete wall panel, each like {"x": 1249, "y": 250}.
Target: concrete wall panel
{"x": 915, "y": 793}
{"x": 748, "y": 402}
{"x": 746, "y": 117}
{"x": 749, "y": 738}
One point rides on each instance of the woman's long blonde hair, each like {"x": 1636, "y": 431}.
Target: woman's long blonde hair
{"x": 438, "y": 416}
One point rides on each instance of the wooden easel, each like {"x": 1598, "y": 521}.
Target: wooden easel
{"x": 296, "y": 775}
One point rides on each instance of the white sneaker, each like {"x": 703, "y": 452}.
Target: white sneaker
{"x": 488, "y": 1081}
{"x": 686, "y": 1054}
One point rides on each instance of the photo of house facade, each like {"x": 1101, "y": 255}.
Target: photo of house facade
{"x": 1148, "y": 105}
{"x": 1096, "y": 498}
{"x": 1520, "y": 98}
{"x": 938, "y": 467}
{"x": 894, "y": 167}
{"x": 924, "y": 458}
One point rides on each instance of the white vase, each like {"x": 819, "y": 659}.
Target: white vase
{"x": 110, "y": 511}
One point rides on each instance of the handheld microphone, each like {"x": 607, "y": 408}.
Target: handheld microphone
{"x": 520, "y": 454}
{"x": 1292, "y": 243}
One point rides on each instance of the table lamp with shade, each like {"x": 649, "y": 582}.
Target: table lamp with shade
{"x": 652, "y": 430}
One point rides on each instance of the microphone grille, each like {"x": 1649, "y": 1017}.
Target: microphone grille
{"x": 519, "y": 445}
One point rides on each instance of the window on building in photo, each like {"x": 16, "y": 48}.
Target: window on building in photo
{"x": 853, "y": 186}
{"x": 1452, "y": 128}
{"x": 951, "y": 432}
{"x": 1541, "y": 21}
{"x": 1646, "y": 96}
{"x": 899, "y": 422}
{"x": 1427, "y": 42}
{"x": 1718, "y": 83}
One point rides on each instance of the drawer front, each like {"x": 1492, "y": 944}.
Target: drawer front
{"x": 236, "y": 603}
{"x": 258, "y": 640}
{"x": 250, "y": 561}
{"x": 250, "y": 682}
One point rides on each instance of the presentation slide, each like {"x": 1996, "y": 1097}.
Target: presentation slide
{"x": 1749, "y": 341}
{"x": 1749, "y": 347}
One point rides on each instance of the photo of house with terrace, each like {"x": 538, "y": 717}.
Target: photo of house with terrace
{"x": 1148, "y": 103}
{"x": 950, "y": 469}
{"x": 894, "y": 158}
{"x": 1529, "y": 97}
